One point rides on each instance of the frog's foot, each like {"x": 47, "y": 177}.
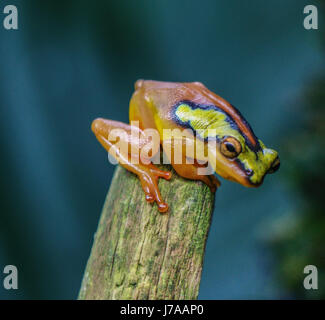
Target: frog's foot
{"x": 148, "y": 175}
{"x": 214, "y": 183}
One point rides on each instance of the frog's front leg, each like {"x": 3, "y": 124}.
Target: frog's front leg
{"x": 190, "y": 170}
{"x": 147, "y": 172}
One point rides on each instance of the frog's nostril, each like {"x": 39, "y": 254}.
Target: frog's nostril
{"x": 249, "y": 172}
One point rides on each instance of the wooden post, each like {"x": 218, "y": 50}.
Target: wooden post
{"x": 139, "y": 253}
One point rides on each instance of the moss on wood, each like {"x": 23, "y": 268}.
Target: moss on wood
{"x": 139, "y": 253}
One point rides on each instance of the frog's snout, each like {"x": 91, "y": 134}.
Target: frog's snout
{"x": 275, "y": 165}
{"x": 255, "y": 176}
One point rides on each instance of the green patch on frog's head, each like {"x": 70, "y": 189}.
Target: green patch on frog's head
{"x": 232, "y": 159}
{"x": 257, "y": 164}
{"x": 236, "y": 153}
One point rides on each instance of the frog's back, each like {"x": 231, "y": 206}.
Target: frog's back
{"x": 153, "y": 101}
{"x": 159, "y": 100}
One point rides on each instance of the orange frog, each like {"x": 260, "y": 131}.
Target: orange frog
{"x": 207, "y": 122}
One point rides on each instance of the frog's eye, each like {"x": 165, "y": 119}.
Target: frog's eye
{"x": 230, "y": 147}
{"x": 275, "y": 166}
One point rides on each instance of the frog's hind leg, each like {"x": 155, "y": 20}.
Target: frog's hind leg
{"x": 145, "y": 170}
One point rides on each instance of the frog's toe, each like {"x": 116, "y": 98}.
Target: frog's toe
{"x": 161, "y": 174}
{"x": 162, "y": 207}
{"x": 150, "y": 198}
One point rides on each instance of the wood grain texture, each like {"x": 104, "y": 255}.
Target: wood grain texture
{"x": 139, "y": 253}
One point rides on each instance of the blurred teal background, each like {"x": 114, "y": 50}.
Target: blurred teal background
{"x": 73, "y": 61}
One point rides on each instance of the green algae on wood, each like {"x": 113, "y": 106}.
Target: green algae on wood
{"x": 139, "y": 253}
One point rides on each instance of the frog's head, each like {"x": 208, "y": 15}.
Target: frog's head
{"x": 234, "y": 159}
{"x": 234, "y": 152}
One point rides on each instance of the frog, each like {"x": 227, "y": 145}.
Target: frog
{"x": 212, "y": 126}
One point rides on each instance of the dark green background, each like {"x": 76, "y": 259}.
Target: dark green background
{"x": 72, "y": 61}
